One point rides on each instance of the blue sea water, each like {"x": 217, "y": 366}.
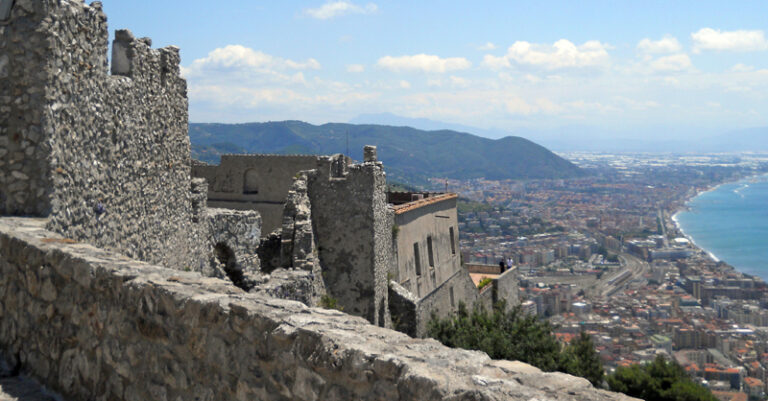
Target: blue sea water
{"x": 731, "y": 223}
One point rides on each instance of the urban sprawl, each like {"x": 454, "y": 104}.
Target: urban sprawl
{"x": 603, "y": 254}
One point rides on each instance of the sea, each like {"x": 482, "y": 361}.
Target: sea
{"x": 730, "y": 222}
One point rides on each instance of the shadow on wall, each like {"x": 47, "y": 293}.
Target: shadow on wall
{"x": 226, "y": 256}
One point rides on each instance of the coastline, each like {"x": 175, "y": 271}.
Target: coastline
{"x": 685, "y": 208}
{"x": 690, "y": 239}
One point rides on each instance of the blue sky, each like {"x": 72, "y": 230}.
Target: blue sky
{"x": 661, "y": 68}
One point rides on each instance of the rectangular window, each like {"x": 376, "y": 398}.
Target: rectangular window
{"x": 429, "y": 252}
{"x": 453, "y": 302}
{"x": 434, "y": 279}
{"x": 453, "y": 240}
{"x": 417, "y": 258}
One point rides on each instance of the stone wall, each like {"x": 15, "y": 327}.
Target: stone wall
{"x": 444, "y": 300}
{"x": 255, "y": 182}
{"x": 94, "y": 325}
{"x": 486, "y": 298}
{"x": 25, "y": 72}
{"x": 506, "y": 287}
{"x": 235, "y": 237}
{"x": 105, "y": 156}
{"x": 352, "y": 226}
{"x": 403, "y": 309}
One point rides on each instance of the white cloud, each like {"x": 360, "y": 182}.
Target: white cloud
{"x": 488, "y": 46}
{"x": 547, "y": 106}
{"x": 742, "y": 68}
{"x": 532, "y": 78}
{"x": 667, "y": 44}
{"x": 237, "y": 57}
{"x": 423, "y": 63}
{"x": 459, "y": 82}
{"x": 741, "y": 40}
{"x": 355, "y": 68}
{"x": 494, "y": 62}
{"x": 405, "y": 84}
{"x": 340, "y": 8}
{"x": 516, "y": 105}
{"x": 637, "y": 104}
{"x": 561, "y": 54}
{"x": 675, "y": 62}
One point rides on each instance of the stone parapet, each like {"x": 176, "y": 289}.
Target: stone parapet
{"x": 95, "y": 325}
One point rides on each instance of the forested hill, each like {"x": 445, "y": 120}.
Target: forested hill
{"x": 408, "y": 154}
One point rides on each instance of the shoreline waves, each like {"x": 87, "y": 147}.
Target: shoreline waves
{"x": 690, "y": 238}
{"x": 687, "y": 208}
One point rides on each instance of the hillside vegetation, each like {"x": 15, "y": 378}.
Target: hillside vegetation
{"x": 409, "y": 154}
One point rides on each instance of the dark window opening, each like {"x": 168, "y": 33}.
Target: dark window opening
{"x": 453, "y": 240}
{"x": 226, "y": 256}
{"x": 251, "y": 182}
{"x": 429, "y": 252}
{"x": 417, "y": 258}
{"x": 453, "y": 301}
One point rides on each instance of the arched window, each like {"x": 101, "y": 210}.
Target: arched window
{"x": 251, "y": 182}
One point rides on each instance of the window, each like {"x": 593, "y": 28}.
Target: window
{"x": 453, "y": 240}
{"x": 417, "y": 258}
{"x": 453, "y": 301}
{"x": 251, "y": 182}
{"x": 429, "y": 252}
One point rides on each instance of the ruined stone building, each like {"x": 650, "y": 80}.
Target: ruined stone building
{"x": 255, "y": 182}
{"x": 116, "y": 279}
{"x": 391, "y": 257}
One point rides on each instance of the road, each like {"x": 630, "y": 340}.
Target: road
{"x": 663, "y": 225}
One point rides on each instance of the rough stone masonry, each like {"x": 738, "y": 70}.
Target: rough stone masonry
{"x": 106, "y": 157}
{"x": 95, "y": 325}
{"x": 94, "y": 299}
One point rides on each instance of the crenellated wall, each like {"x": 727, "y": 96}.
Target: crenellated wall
{"x": 118, "y": 329}
{"x": 106, "y": 157}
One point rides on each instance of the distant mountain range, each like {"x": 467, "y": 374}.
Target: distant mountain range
{"x": 654, "y": 139}
{"x": 410, "y": 155}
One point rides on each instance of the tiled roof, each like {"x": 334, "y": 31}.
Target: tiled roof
{"x": 405, "y": 207}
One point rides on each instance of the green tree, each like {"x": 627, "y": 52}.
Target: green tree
{"x": 502, "y": 334}
{"x": 581, "y": 359}
{"x": 660, "y": 380}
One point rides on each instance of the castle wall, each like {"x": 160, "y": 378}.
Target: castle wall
{"x": 106, "y": 157}
{"x": 506, "y": 287}
{"x": 255, "y": 182}
{"x": 440, "y": 302}
{"x": 352, "y": 223}
{"x": 118, "y": 329}
{"x": 25, "y": 71}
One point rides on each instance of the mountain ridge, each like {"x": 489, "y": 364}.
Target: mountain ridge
{"x": 410, "y": 154}
{"x": 569, "y": 138}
